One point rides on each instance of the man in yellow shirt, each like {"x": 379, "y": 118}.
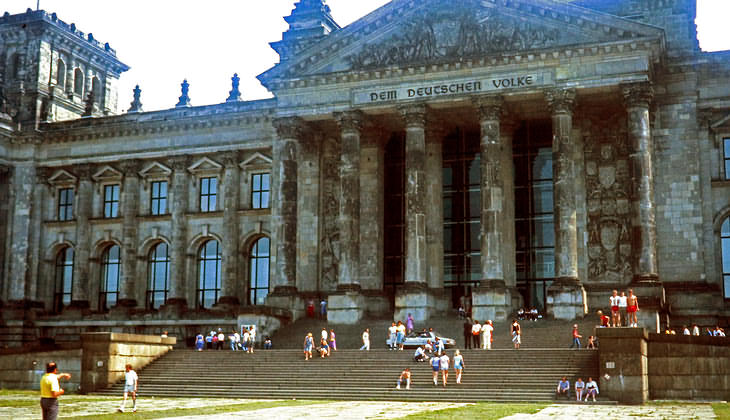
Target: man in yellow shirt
{"x": 51, "y": 390}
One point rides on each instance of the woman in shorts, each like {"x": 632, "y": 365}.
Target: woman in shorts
{"x": 444, "y": 367}
{"x": 458, "y": 365}
{"x": 435, "y": 367}
{"x": 308, "y": 344}
{"x": 516, "y": 334}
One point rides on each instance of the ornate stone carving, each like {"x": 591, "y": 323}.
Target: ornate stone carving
{"x": 84, "y": 171}
{"x": 490, "y": 107}
{"x": 289, "y": 127}
{"x": 350, "y": 120}
{"x": 131, "y": 167}
{"x": 608, "y": 186}
{"x": 414, "y": 115}
{"x": 449, "y": 34}
{"x": 230, "y": 158}
{"x": 560, "y": 101}
{"x": 638, "y": 94}
{"x": 178, "y": 163}
{"x": 330, "y": 239}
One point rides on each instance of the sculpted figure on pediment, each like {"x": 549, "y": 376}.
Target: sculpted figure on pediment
{"x": 453, "y": 35}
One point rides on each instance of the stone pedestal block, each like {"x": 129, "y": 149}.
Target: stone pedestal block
{"x": 288, "y": 301}
{"x": 624, "y": 364}
{"x": 416, "y": 301}
{"x": 566, "y": 300}
{"x": 345, "y": 308}
{"x": 376, "y": 303}
{"x": 652, "y": 304}
{"x": 491, "y": 302}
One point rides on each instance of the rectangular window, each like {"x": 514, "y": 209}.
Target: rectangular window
{"x": 208, "y": 194}
{"x": 726, "y": 156}
{"x": 65, "y": 204}
{"x": 260, "y": 190}
{"x": 158, "y": 203}
{"x": 111, "y": 201}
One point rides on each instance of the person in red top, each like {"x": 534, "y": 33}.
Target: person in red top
{"x": 604, "y": 319}
{"x": 576, "y": 337}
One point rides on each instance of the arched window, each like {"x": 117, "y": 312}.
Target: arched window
{"x": 209, "y": 274}
{"x": 96, "y": 88}
{"x": 259, "y": 279}
{"x": 15, "y": 66}
{"x": 61, "y": 74}
{"x": 725, "y": 238}
{"x": 79, "y": 82}
{"x": 110, "y": 272}
{"x": 63, "y": 278}
{"x": 158, "y": 275}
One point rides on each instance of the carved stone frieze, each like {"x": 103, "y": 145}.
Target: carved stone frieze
{"x": 638, "y": 94}
{"x": 450, "y": 33}
{"x": 331, "y": 194}
{"x": 608, "y": 193}
{"x": 350, "y": 120}
{"x": 289, "y": 127}
{"x": 560, "y": 101}
{"x": 490, "y": 107}
{"x": 414, "y": 115}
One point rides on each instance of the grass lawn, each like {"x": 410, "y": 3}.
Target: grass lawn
{"x": 481, "y": 411}
{"x": 722, "y": 410}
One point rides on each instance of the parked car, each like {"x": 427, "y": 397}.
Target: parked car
{"x": 415, "y": 339}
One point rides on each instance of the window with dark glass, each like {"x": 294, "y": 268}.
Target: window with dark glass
{"x": 61, "y": 74}
{"x": 725, "y": 246}
{"x": 158, "y": 202}
{"x": 462, "y": 204}
{"x": 260, "y": 190}
{"x": 79, "y": 82}
{"x": 209, "y": 274}
{"x": 534, "y": 224}
{"x": 259, "y": 264}
{"x": 65, "y": 204}
{"x": 111, "y": 268}
{"x": 726, "y": 156}
{"x": 394, "y": 217}
{"x": 111, "y": 201}
{"x": 96, "y": 88}
{"x": 208, "y": 194}
{"x": 63, "y": 279}
{"x": 158, "y": 275}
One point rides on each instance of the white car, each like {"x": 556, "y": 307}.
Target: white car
{"x": 415, "y": 339}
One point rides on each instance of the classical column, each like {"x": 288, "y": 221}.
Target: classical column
{"x": 347, "y": 305}
{"x": 646, "y": 284}
{"x": 289, "y": 130}
{"x": 21, "y": 184}
{"x": 130, "y": 209}
{"x": 309, "y": 220}
{"x": 82, "y": 210}
{"x": 566, "y": 298}
{"x": 491, "y": 300}
{"x": 5, "y": 176}
{"x": 434, "y": 206}
{"x": 177, "y": 295}
{"x": 231, "y": 186}
{"x": 413, "y": 297}
{"x": 70, "y": 67}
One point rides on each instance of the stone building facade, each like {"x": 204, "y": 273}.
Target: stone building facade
{"x": 494, "y": 153}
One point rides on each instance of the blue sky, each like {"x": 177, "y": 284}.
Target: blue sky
{"x": 165, "y": 41}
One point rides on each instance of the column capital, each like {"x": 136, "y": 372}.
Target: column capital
{"x": 350, "y": 120}
{"x": 289, "y": 127}
{"x": 229, "y": 158}
{"x": 560, "y": 100}
{"x": 638, "y": 94}
{"x": 414, "y": 115}
{"x": 489, "y": 106}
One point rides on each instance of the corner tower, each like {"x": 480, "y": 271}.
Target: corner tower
{"x": 48, "y": 68}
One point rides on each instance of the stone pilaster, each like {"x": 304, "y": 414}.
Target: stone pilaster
{"x": 82, "y": 210}
{"x": 492, "y": 299}
{"x": 176, "y": 297}
{"x": 566, "y": 297}
{"x": 414, "y": 297}
{"x": 21, "y": 198}
{"x": 284, "y": 213}
{"x": 231, "y": 181}
{"x": 309, "y": 227}
{"x": 372, "y": 213}
{"x": 347, "y": 305}
{"x": 130, "y": 208}
{"x": 507, "y": 129}
{"x": 5, "y": 174}
{"x": 648, "y": 288}
{"x": 434, "y": 206}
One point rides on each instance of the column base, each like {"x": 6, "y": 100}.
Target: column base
{"x": 566, "y": 299}
{"x": 414, "y": 299}
{"x": 174, "y": 307}
{"x": 653, "y": 311}
{"x": 492, "y": 300}
{"x": 127, "y": 303}
{"x": 377, "y": 304}
{"x": 227, "y": 303}
{"x": 287, "y": 298}
{"x": 346, "y": 308}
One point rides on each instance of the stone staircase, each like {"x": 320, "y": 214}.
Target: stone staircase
{"x": 497, "y": 375}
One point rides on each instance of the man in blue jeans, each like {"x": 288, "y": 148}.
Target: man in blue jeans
{"x": 576, "y": 337}
{"x": 562, "y": 389}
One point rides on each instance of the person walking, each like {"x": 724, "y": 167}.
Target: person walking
{"x": 476, "y": 331}
{"x": 308, "y": 344}
{"x": 333, "y": 341}
{"x": 576, "y": 337}
{"x": 444, "y": 360}
{"x": 131, "y": 381}
{"x": 409, "y": 323}
{"x": 199, "y": 342}
{"x": 252, "y": 338}
{"x": 487, "y": 330}
{"x": 458, "y": 365}
{"x": 467, "y": 333}
{"x": 435, "y": 367}
{"x": 366, "y": 340}
{"x": 221, "y": 339}
{"x": 51, "y": 390}
{"x": 516, "y": 334}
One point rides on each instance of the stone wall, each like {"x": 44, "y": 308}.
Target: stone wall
{"x": 105, "y": 354}
{"x": 24, "y": 370}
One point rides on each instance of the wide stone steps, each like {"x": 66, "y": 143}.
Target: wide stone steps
{"x": 498, "y": 375}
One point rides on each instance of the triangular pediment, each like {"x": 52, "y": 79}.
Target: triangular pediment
{"x": 107, "y": 173}
{"x": 256, "y": 159}
{"x": 205, "y": 165}
{"x": 155, "y": 170}
{"x": 62, "y": 177}
{"x": 408, "y": 33}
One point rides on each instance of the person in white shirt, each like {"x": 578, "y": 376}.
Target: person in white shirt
{"x": 623, "y": 303}
{"x": 420, "y": 355}
{"x": 246, "y": 339}
{"x": 615, "y": 314}
{"x": 252, "y": 338}
{"x": 131, "y": 381}
{"x": 685, "y": 331}
{"x": 695, "y": 329}
{"x": 235, "y": 340}
{"x": 591, "y": 389}
{"x": 487, "y": 330}
{"x": 392, "y": 333}
{"x": 476, "y": 330}
{"x": 365, "y": 340}
{"x": 444, "y": 361}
